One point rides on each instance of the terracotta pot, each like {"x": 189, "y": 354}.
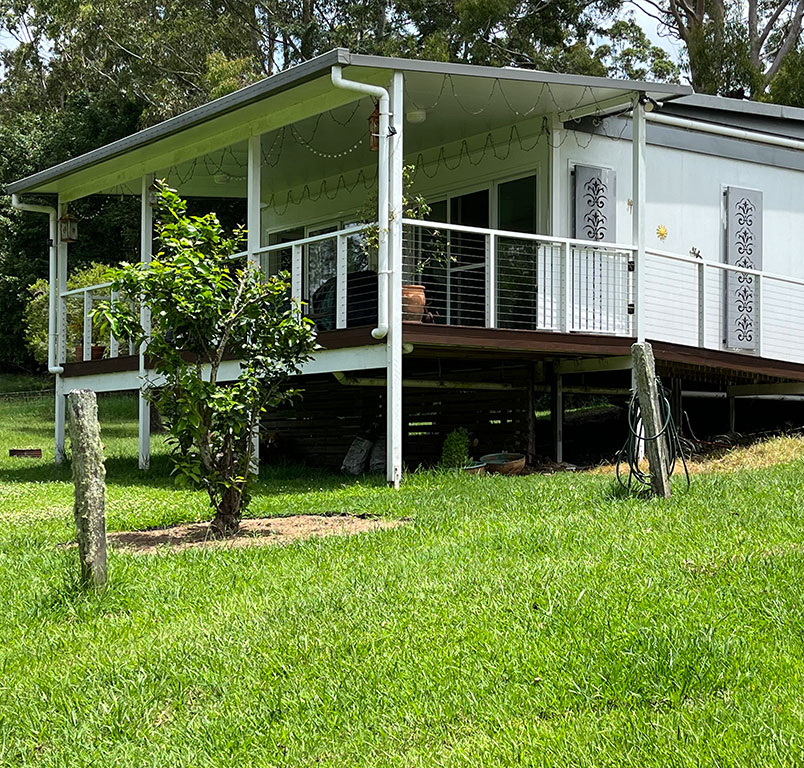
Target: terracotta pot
{"x": 98, "y": 351}
{"x": 413, "y": 302}
{"x": 504, "y": 463}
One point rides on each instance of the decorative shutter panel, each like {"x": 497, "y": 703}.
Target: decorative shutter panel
{"x": 595, "y": 198}
{"x": 743, "y": 249}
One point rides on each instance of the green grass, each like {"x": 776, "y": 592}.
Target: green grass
{"x": 542, "y": 621}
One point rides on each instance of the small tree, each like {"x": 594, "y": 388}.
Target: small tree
{"x": 206, "y": 306}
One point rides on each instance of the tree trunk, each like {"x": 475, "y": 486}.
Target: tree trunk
{"x": 307, "y": 33}
{"x": 89, "y": 477}
{"x": 227, "y": 514}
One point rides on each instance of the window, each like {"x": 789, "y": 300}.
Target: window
{"x": 516, "y": 205}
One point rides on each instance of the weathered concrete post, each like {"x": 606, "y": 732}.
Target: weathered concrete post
{"x": 89, "y": 477}
{"x": 653, "y": 418}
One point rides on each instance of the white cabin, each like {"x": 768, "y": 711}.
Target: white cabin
{"x": 569, "y": 216}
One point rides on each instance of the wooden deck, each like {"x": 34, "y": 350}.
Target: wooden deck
{"x": 471, "y": 343}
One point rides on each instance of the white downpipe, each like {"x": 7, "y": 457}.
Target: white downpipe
{"x": 724, "y": 130}
{"x": 383, "y": 222}
{"x": 52, "y": 288}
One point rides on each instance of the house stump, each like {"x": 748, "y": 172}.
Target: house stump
{"x": 89, "y": 478}
{"x": 653, "y": 418}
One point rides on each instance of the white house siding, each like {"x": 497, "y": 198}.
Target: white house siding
{"x": 685, "y": 195}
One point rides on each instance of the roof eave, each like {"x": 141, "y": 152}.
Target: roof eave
{"x": 308, "y": 71}
{"x": 279, "y": 82}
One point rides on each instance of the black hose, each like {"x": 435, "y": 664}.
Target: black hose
{"x": 634, "y": 444}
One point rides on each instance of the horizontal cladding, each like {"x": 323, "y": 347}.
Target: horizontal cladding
{"x": 698, "y": 142}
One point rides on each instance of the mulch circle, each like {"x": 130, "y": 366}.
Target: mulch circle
{"x": 254, "y": 532}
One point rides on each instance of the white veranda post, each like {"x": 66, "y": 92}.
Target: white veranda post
{"x": 146, "y": 250}
{"x": 254, "y": 195}
{"x": 394, "y": 339}
{"x": 638, "y": 165}
{"x": 61, "y": 342}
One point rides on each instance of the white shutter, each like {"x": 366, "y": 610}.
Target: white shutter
{"x": 743, "y": 249}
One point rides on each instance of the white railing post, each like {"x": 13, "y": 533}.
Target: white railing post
{"x": 491, "y": 281}
{"x": 254, "y": 199}
{"x": 87, "y": 325}
{"x": 254, "y": 223}
{"x": 296, "y": 272}
{"x": 394, "y": 424}
{"x": 146, "y": 251}
{"x": 566, "y": 288}
{"x": 702, "y": 329}
{"x": 341, "y": 279}
{"x": 759, "y": 311}
{"x": 60, "y": 345}
{"x": 114, "y": 344}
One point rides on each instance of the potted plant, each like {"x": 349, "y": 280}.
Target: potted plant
{"x": 414, "y": 206}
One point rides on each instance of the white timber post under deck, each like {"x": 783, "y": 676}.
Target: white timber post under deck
{"x": 146, "y": 251}
{"x": 254, "y": 224}
{"x": 61, "y": 342}
{"x": 638, "y": 167}
{"x": 394, "y": 339}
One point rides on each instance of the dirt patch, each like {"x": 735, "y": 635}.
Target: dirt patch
{"x": 758, "y": 455}
{"x": 255, "y": 532}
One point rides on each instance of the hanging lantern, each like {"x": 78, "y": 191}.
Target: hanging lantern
{"x": 153, "y": 192}
{"x": 374, "y": 128}
{"x": 68, "y": 228}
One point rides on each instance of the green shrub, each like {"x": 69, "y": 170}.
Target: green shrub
{"x": 36, "y": 312}
{"x": 455, "y": 451}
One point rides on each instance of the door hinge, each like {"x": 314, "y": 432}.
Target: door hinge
{"x": 632, "y": 266}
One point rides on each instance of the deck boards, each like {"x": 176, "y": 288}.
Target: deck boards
{"x": 470, "y": 342}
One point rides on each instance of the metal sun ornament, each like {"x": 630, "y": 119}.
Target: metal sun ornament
{"x": 661, "y": 232}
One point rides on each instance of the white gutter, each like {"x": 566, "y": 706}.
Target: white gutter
{"x": 51, "y": 315}
{"x": 724, "y": 130}
{"x": 383, "y": 219}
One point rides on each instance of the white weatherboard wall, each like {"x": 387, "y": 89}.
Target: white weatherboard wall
{"x": 685, "y": 195}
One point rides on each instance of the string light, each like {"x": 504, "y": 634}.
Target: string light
{"x": 272, "y": 155}
{"x": 319, "y": 153}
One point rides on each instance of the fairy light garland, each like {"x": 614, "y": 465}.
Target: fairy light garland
{"x": 220, "y": 165}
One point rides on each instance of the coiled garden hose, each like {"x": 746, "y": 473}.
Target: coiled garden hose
{"x": 635, "y": 442}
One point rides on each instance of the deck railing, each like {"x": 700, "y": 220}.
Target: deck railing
{"x": 499, "y": 279}
{"x": 713, "y": 305}
{"x": 333, "y": 273}
{"x": 76, "y": 308}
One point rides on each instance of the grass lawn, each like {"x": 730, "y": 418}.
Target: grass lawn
{"x": 543, "y": 621}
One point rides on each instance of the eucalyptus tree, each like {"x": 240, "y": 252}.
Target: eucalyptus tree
{"x": 733, "y": 47}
